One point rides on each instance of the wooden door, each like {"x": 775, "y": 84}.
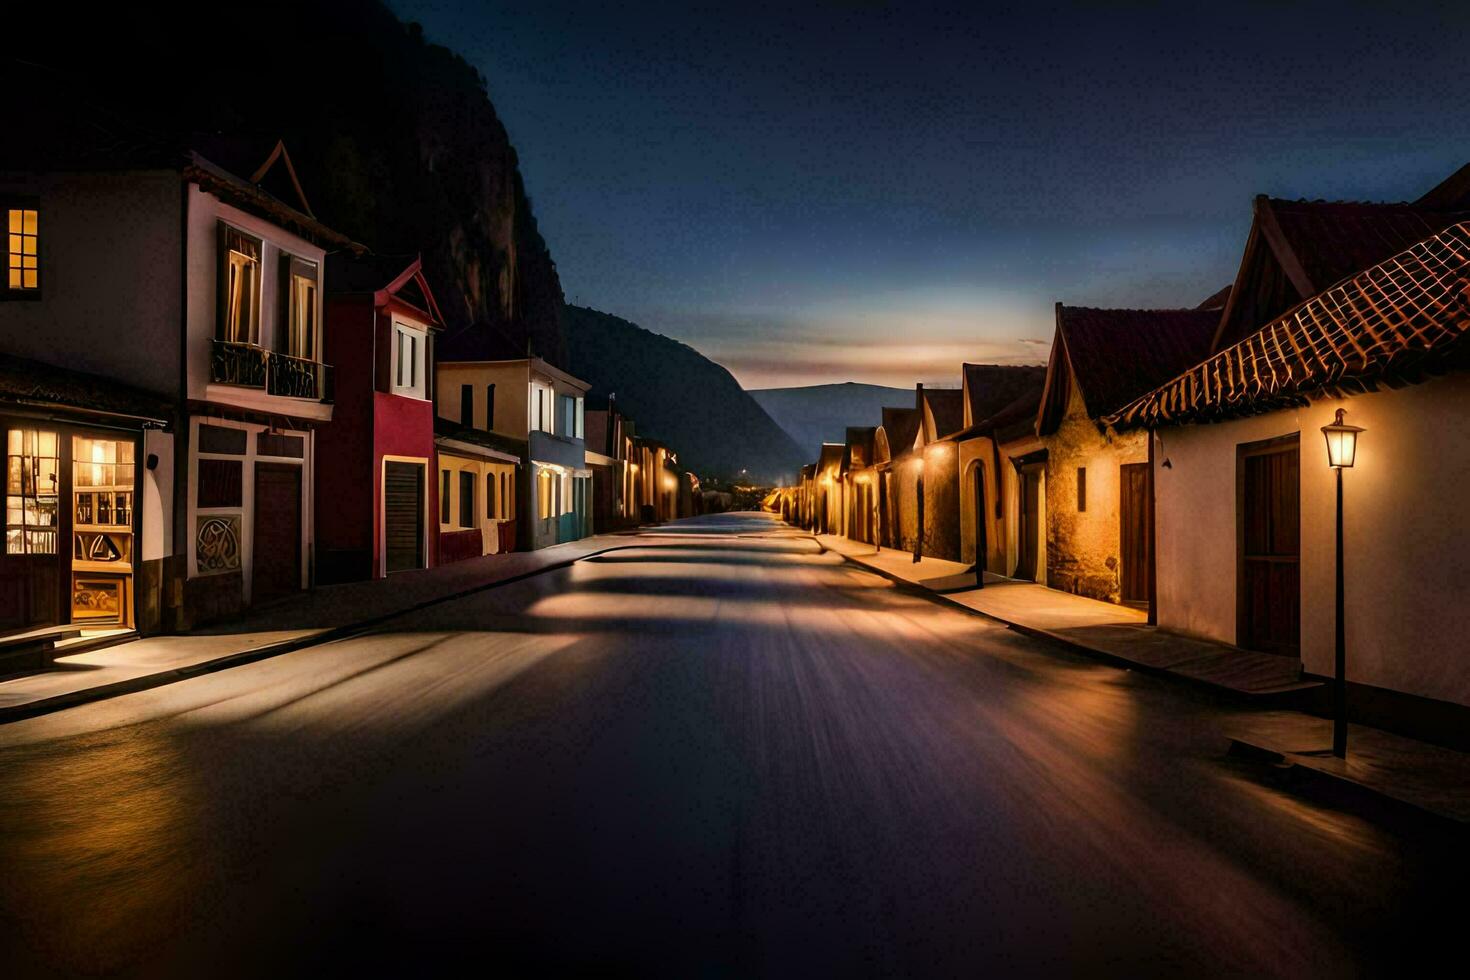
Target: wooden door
{"x": 403, "y": 516}
{"x": 1030, "y": 522}
{"x": 276, "y": 552}
{"x": 1133, "y": 520}
{"x": 1269, "y": 597}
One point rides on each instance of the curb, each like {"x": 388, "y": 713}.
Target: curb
{"x": 145, "y": 682}
{"x": 1281, "y": 698}
{"x": 1363, "y": 796}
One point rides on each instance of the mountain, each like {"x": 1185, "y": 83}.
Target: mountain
{"x": 821, "y": 413}
{"x": 394, "y": 139}
{"x": 677, "y": 395}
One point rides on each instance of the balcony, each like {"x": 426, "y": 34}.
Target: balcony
{"x": 252, "y": 366}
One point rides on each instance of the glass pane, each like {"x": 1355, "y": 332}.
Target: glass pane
{"x": 28, "y": 279}
{"x": 15, "y": 279}
{"x": 15, "y": 244}
{"x": 46, "y": 444}
{"x": 14, "y": 221}
{"x": 28, "y": 222}
{"x": 15, "y": 542}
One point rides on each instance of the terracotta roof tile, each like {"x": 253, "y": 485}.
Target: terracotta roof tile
{"x": 1394, "y": 323}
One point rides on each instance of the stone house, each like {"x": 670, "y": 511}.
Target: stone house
{"x": 1091, "y": 482}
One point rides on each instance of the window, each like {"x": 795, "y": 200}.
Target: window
{"x": 466, "y": 499}
{"x": 1081, "y": 489}
{"x": 299, "y": 291}
{"x": 580, "y": 413}
{"x": 490, "y": 512}
{"x": 507, "y": 498}
{"x": 31, "y": 468}
{"x": 408, "y": 367}
{"x": 239, "y": 287}
{"x": 489, "y": 407}
{"x": 467, "y": 405}
{"x": 543, "y": 494}
{"x": 541, "y": 420}
{"x": 443, "y": 496}
{"x": 566, "y": 415}
{"x": 23, "y": 252}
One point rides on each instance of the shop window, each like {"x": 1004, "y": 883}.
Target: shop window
{"x": 23, "y": 251}
{"x": 239, "y": 287}
{"x": 299, "y": 304}
{"x": 219, "y": 483}
{"x": 466, "y": 499}
{"x": 102, "y": 528}
{"x": 31, "y": 492}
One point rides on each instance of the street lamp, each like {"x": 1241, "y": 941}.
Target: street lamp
{"x": 1342, "y": 449}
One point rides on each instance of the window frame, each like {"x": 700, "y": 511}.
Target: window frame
{"x": 417, "y": 344}
{"x": 22, "y": 293}
{"x": 221, "y": 286}
{"x": 287, "y": 341}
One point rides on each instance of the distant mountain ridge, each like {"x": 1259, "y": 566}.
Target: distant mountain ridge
{"x": 815, "y": 414}
{"x": 677, "y": 395}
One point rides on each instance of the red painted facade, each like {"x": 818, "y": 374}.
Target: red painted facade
{"x": 371, "y": 423}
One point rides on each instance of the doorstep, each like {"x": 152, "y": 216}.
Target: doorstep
{"x": 1103, "y": 630}
{"x": 1397, "y": 772}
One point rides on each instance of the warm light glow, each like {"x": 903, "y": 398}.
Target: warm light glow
{"x": 1342, "y": 442}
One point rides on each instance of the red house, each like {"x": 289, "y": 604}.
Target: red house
{"x": 376, "y": 495}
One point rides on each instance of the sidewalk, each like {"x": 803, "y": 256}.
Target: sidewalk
{"x": 1101, "y": 629}
{"x": 319, "y": 616}
{"x": 1389, "y": 771}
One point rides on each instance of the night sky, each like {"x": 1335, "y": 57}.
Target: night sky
{"x": 875, "y": 192}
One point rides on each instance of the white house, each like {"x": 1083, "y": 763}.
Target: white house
{"x": 1245, "y": 499}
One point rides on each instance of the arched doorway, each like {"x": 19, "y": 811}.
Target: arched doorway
{"x": 982, "y": 520}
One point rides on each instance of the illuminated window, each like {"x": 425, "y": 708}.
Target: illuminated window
{"x": 544, "y": 506}
{"x": 23, "y": 255}
{"x": 239, "y": 285}
{"x": 31, "y": 468}
{"x": 299, "y": 279}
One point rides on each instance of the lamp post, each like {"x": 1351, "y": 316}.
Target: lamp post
{"x": 1342, "y": 449}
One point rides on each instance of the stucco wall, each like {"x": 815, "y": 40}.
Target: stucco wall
{"x": 1084, "y": 547}
{"x": 1407, "y": 547}
{"x": 110, "y": 287}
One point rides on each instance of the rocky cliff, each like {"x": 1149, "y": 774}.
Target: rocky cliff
{"x": 395, "y": 140}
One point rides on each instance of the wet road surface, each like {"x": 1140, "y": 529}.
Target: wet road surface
{"x": 726, "y": 754}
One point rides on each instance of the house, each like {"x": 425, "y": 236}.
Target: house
{"x": 943, "y": 412}
{"x": 860, "y": 484}
{"x": 376, "y": 488}
{"x": 609, "y": 449}
{"x": 893, "y": 446}
{"x": 528, "y": 400}
{"x": 205, "y": 264}
{"x": 827, "y": 487}
{"x": 1090, "y": 484}
{"x": 1245, "y": 497}
{"x": 995, "y": 445}
{"x": 479, "y": 487}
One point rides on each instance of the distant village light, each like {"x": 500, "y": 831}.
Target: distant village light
{"x": 1342, "y": 442}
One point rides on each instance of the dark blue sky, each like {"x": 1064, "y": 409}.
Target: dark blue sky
{"x": 875, "y": 192}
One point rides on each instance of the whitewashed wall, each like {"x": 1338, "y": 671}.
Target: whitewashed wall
{"x": 1407, "y": 536}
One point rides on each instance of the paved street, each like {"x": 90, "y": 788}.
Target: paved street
{"x": 726, "y": 753}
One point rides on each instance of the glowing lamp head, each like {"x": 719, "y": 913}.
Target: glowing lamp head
{"x": 1342, "y": 442}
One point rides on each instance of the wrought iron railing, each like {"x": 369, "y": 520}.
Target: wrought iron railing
{"x": 252, "y": 366}
{"x": 232, "y": 363}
